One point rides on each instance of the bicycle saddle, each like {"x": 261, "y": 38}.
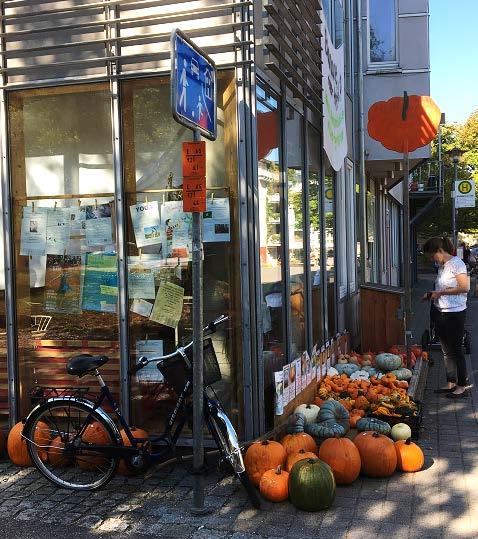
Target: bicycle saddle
{"x": 84, "y": 363}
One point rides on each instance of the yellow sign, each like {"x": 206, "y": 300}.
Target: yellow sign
{"x": 464, "y": 187}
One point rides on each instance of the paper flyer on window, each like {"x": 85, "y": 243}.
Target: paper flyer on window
{"x": 141, "y": 307}
{"x": 57, "y": 231}
{"x": 168, "y": 305}
{"x": 37, "y": 270}
{"x": 33, "y": 232}
{"x": 141, "y": 284}
{"x": 146, "y": 223}
{"x": 285, "y": 375}
{"x": 305, "y": 368}
{"x": 63, "y": 283}
{"x": 177, "y": 227}
{"x": 100, "y": 284}
{"x": 292, "y": 381}
{"x": 150, "y": 348}
{"x": 279, "y": 392}
{"x": 216, "y": 220}
{"x": 298, "y": 376}
{"x": 98, "y": 225}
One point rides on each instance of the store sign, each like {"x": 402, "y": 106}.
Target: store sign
{"x": 335, "y": 134}
{"x": 193, "y": 86}
{"x": 465, "y": 193}
{"x": 194, "y": 176}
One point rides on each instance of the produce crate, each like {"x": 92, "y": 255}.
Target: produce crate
{"x": 414, "y": 421}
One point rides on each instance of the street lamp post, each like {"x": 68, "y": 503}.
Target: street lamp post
{"x": 455, "y": 154}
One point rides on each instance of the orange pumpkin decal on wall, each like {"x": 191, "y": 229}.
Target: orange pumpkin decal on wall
{"x": 420, "y": 126}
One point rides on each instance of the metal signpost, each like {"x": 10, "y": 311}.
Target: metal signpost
{"x": 194, "y": 104}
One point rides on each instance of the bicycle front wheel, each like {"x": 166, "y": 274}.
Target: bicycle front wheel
{"x": 65, "y": 440}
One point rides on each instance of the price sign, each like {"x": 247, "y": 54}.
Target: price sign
{"x": 194, "y": 176}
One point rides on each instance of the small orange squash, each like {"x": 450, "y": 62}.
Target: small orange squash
{"x": 410, "y": 457}
{"x": 274, "y": 485}
{"x": 263, "y": 456}
{"x": 293, "y": 443}
{"x": 295, "y": 457}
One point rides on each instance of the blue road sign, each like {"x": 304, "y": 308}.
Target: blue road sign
{"x": 193, "y": 86}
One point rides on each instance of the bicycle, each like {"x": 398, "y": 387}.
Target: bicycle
{"x": 75, "y": 444}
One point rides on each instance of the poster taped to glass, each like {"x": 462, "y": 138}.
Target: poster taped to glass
{"x": 146, "y": 223}
{"x": 33, "y": 232}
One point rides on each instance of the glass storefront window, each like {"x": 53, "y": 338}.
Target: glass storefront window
{"x": 271, "y": 244}
{"x": 3, "y": 337}
{"x": 64, "y": 233}
{"x": 295, "y": 150}
{"x": 159, "y": 238}
{"x": 313, "y": 143}
{"x": 330, "y": 249}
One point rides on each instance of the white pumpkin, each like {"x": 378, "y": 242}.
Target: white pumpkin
{"x": 360, "y": 375}
{"x": 309, "y": 411}
{"x": 401, "y": 431}
{"x": 332, "y": 372}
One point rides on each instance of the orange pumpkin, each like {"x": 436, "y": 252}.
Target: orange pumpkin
{"x": 293, "y": 443}
{"x": 94, "y": 434}
{"x": 274, "y": 485}
{"x": 355, "y": 415}
{"x": 377, "y": 453}
{"x": 362, "y": 403}
{"x": 17, "y": 445}
{"x": 410, "y": 457}
{"x": 419, "y": 128}
{"x": 343, "y": 457}
{"x": 295, "y": 457}
{"x": 416, "y": 350}
{"x": 56, "y": 456}
{"x": 137, "y": 433}
{"x": 263, "y": 456}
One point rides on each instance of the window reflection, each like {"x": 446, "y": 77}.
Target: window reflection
{"x": 382, "y": 20}
{"x": 330, "y": 248}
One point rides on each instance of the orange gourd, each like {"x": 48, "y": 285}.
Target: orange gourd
{"x": 17, "y": 445}
{"x": 419, "y": 128}
{"x": 293, "y": 443}
{"x": 274, "y": 485}
{"x": 56, "y": 455}
{"x": 377, "y": 453}
{"x": 410, "y": 457}
{"x": 263, "y": 456}
{"x": 355, "y": 415}
{"x": 295, "y": 457}
{"x": 362, "y": 403}
{"x": 342, "y": 455}
{"x": 94, "y": 434}
{"x": 137, "y": 433}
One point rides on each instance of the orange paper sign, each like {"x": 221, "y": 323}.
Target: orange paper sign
{"x": 194, "y": 176}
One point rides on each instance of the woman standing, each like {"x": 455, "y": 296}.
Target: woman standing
{"x": 448, "y": 311}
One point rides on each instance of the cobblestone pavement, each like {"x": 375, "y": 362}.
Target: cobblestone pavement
{"x": 439, "y": 502}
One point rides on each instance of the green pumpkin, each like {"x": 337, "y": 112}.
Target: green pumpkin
{"x": 402, "y": 374}
{"x": 388, "y": 362}
{"x": 311, "y": 485}
{"x": 333, "y": 411}
{"x": 295, "y": 423}
{"x": 372, "y": 423}
{"x": 327, "y": 429}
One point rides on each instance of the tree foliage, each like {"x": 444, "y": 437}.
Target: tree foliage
{"x": 465, "y": 136}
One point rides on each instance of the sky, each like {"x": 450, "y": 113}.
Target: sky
{"x": 454, "y": 57}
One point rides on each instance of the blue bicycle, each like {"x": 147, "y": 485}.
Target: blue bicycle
{"x": 75, "y": 444}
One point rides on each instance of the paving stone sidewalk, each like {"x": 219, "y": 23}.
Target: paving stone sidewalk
{"x": 439, "y": 502}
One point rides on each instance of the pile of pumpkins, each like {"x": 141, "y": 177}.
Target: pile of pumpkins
{"x": 305, "y": 467}
{"x": 53, "y": 453}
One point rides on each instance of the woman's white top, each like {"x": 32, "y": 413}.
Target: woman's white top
{"x": 446, "y": 278}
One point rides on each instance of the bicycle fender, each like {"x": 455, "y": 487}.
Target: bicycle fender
{"x": 230, "y": 434}
{"x": 32, "y": 415}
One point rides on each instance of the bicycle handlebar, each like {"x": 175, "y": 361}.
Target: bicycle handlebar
{"x": 210, "y": 328}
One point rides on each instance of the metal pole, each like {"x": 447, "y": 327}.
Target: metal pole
{"x": 198, "y": 400}
{"x": 453, "y": 203}
{"x": 406, "y": 255}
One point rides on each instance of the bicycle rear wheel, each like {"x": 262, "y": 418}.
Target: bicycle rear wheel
{"x": 64, "y": 439}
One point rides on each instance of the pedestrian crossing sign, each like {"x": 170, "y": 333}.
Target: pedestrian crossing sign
{"x": 193, "y": 86}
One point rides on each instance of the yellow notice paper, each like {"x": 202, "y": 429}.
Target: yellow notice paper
{"x": 108, "y": 290}
{"x": 168, "y": 305}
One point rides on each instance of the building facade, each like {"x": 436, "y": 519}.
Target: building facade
{"x": 93, "y": 226}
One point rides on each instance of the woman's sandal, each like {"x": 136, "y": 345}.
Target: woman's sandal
{"x": 444, "y": 390}
{"x": 458, "y": 395}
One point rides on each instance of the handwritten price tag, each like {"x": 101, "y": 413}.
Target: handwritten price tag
{"x": 194, "y": 176}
